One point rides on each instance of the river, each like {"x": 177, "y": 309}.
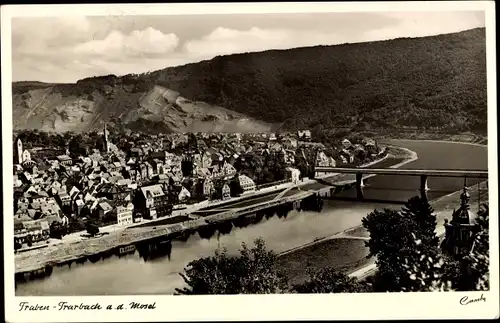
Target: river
{"x": 132, "y": 275}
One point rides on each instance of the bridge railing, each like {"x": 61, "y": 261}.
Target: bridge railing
{"x": 409, "y": 172}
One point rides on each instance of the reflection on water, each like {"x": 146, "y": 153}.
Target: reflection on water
{"x": 155, "y": 269}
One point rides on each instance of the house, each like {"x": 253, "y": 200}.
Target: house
{"x": 371, "y": 147}
{"x": 18, "y": 169}
{"x": 322, "y": 160}
{"x": 152, "y": 202}
{"x": 359, "y": 152}
{"x": 26, "y": 177}
{"x": 26, "y": 155}
{"x": 183, "y": 194}
{"x": 149, "y": 170}
{"x": 246, "y": 184}
{"x": 304, "y": 135}
{"x": 78, "y": 206}
{"x": 137, "y": 153}
{"x": 228, "y": 170}
{"x": 203, "y": 173}
{"x": 206, "y": 187}
{"x": 346, "y": 144}
{"x": 50, "y": 207}
{"x": 64, "y": 199}
{"x": 114, "y": 166}
{"x": 65, "y": 160}
{"x": 38, "y": 230}
{"x": 347, "y": 156}
{"x": 293, "y": 174}
{"x": 222, "y": 190}
{"x": 17, "y": 181}
{"x": 158, "y": 166}
{"x": 124, "y": 213}
{"x": 289, "y": 143}
{"x": 215, "y": 170}
{"x": 102, "y": 210}
{"x": 225, "y": 192}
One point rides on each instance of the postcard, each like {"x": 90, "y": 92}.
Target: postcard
{"x": 250, "y": 161}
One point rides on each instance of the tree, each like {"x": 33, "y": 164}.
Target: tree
{"x": 235, "y": 187}
{"x": 408, "y": 257}
{"x": 328, "y": 280}
{"x": 29, "y": 240}
{"x": 76, "y": 225}
{"x": 17, "y": 245}
{"x": 187, "y": 167}
{"x": 422, "y": 214}
{"x": 77, "y": 147}
{"x": 405, "y": 246}
{"x": 57, "y": 231}
{"x": 92, "y": 228}
{"x": 252, "y": 272}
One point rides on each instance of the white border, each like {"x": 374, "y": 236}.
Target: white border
{"x": 252, "y": 307}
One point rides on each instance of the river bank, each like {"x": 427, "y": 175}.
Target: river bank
{"x": 466, "y": 137}
{"x": 346, "y": 251}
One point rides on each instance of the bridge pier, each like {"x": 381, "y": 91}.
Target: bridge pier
{"x": 359, "y": 186}
{"x": 424, "y": 187}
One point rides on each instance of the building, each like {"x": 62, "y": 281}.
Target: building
{"x": 26, "y": 155}
{"x": 152, "y": 202}
{"x": 206, "y": 187}
{"x": 124, "y": 213}
{"x": 112, "y": 191}
{"x": 225, "y": 192}
{"x": 184, "y": 194}
{"x": 104, "y": 212}
{"x": 461, "y": 230}
{"x": 36, "y": 231}
{"x": 322, "y": 160}
{"x": 289, "y": 143}
{"x": 65, "y": 160}
{"x": 246, "y": 184}
{"x": 228, "y": 170}
{"x": 293, "y": 174}
{"x": 304, "y": 135}
{"x": 346, "y": 143}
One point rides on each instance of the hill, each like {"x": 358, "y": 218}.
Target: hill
{"x": 436, "y": 82}
{"x": 124, "y": 102}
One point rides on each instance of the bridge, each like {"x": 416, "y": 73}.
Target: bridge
{"x": 423, "y": 173}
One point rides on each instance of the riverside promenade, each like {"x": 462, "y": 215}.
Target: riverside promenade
{"x": 66, "y": 253}
{"x": 74, "y": 248}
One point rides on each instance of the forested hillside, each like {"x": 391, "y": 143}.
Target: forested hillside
{"x": 436, "y": 82}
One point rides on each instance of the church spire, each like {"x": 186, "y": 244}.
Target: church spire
{"x": 465, "y": 199}
{"x": 106, "y": 139}
{"x": 19, "y": 151}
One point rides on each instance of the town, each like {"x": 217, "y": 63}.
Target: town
{"x": 80, "y": 183}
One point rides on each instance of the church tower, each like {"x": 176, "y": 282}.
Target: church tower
{"x": 106, "y": 139}
{"x": 19, "y": 151}
{"x": 461, "y": 230}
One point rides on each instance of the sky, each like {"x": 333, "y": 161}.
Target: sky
{"x": 66, "y": 49}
